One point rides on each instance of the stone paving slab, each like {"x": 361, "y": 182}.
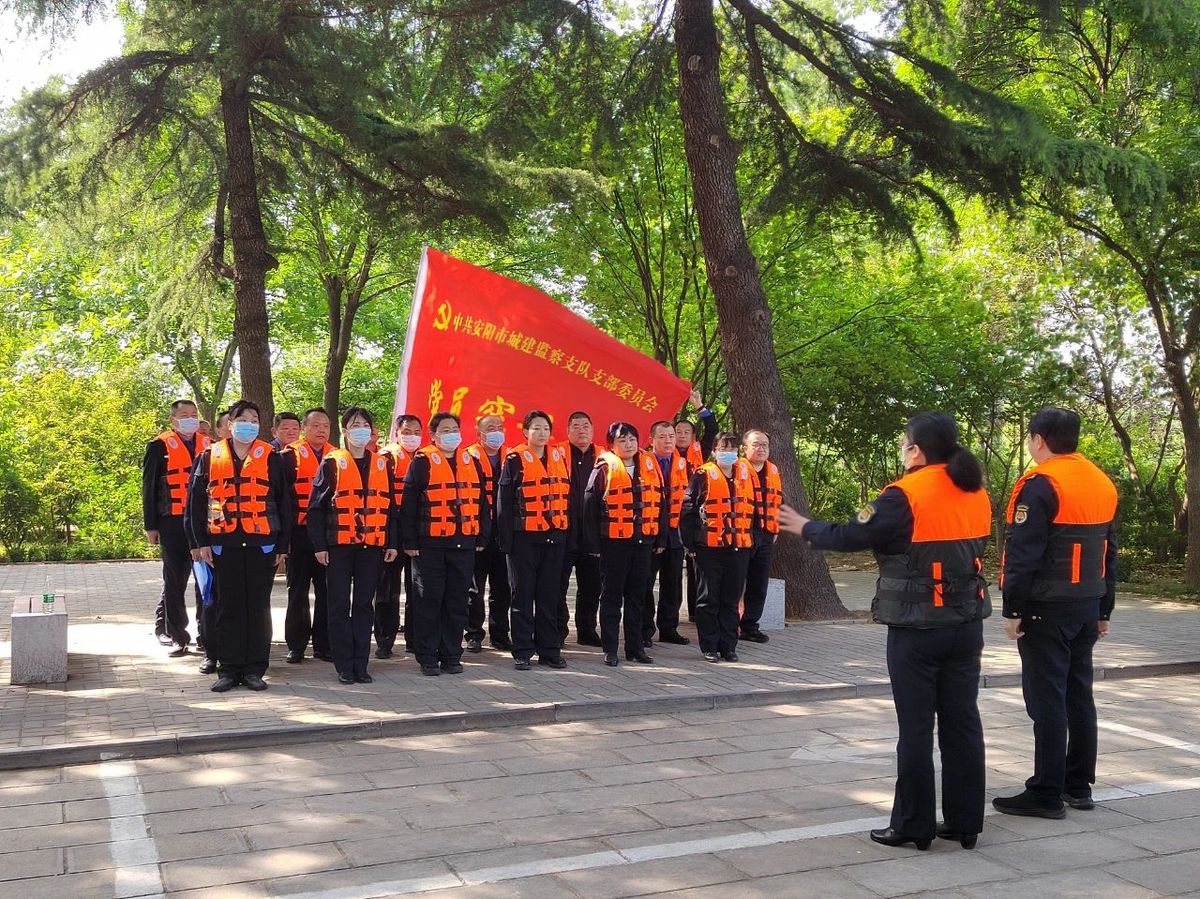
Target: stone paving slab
{"x": 125, "y": 697}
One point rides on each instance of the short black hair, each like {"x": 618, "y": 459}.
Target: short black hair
{"x": 245, "y": 405}
{"x": 621, "y": 429}
{"x": 440, "y": 417}
{"x": 224, "y": 413}
{"x": 527, "y": 421}
{"x": 402, "y": 420}
{"x": 175, "y": 405}
{"x": 314, "y": 410}
{"x": 357, "y": 410}
{"x": 1058, "y": 427}
{"x": 579, "y": 413}
{"x": 686, "y": 421}
{"x": 660, "y": 424}
{"x": 281, "y": 417}
{"x": 726, "y": 438}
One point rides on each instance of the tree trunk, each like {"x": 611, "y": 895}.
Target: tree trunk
{"x": 743, "y": 316}
{"x": 251, "y": 257}
{"x": 335, "y": 356}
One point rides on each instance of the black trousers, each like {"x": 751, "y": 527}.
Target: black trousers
{"x": 667, "y": 567}
{"x": 935, "y": 674}
{"x": 721, "y": 580}
{"x": 624, "y": 570}
{"x": 176, "y": 569}
{"x": 693, "y": 580}
{"x": 535, "y": 571}
{"x": 587, "y": 592}
{"x": 1056, "y": 677}
{"x": 757, "y": 575}
{"x": 352, "y": 576}
{"x": 300, "y": 624}
{"x": 387, "y": 601}
{"x": 242, "y": 586}
{"x": 441, "y": 578}
{"x": 491, "y": 569}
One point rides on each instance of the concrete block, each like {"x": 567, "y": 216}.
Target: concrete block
{"x": 39, "y": 642}
{"x": 772, "y": 616}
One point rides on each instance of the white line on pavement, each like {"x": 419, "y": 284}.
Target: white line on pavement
{"x": 134, "y": 853}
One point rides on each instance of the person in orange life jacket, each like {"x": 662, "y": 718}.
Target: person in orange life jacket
{"x": 491, "y": 567}
{"x": 352, "y": 523}
{"x": 286, "y": 431}
{"x": 531, "y": 526}
{"x": 667, "y": 566}
{"x": 240, "y": 509}
{"x": 207, "y": 617}
{"x": 445, "y": 519}
{"x": 764, "y": 531}
{"x": 580, "y": 455}
{"x": 301, "y": 461}
{"x": 695, "y": 450}
{"x": 714, "y": 523}
{"x": 166, "y": 468}
{"x": 401, "y": 449}
{"x": 625, "y": 520}
{"x": 929, "y": 531}
{"x": 1059, "y": 582}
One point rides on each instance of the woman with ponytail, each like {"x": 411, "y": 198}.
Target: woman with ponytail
{"x": 928, "y": 530}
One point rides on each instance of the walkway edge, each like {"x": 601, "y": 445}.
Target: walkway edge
{"x": 487, "y": 719}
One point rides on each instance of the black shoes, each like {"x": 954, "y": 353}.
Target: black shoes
{"x": 889, "y": 837}
{"x": 294, "y": 657}
{"x": 647, "y": 643}
{"x": 521, "y": 664}
{"x": 1083, "y": 803}
{"x": 588, "y": 639}
{"x": 712, "y": 657}
{"x": 452, "y": 667}
{"x": 756, "y": 637}
{"x": 557, "y": 663}
{"x": 1029, "y": 805}
{"x": 363, "y": 678}
{"x": 345, "y": 678}
{"x": 382, "y": 653}
{"x": 177, "y": 650}
{"x": 677, "y": 638}
{"x": 254, "y": 682}
{"x": 729, "y": 656}
{"x": 474, "y": 645}
{"x": 966, "y": 840}
{"x": 639, "y": 657}
{"x": 208, "y": 666}
{"x": 501, "y": 643}
{"x": 610, "y": 659}
{"x": 430, "y": 670}
{"x": 224, "y": 684}
{"x": 323, "y": 656}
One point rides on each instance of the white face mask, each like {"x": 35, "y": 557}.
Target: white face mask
{"x": 410, "y": 442}
{"x": 904, "y": 456}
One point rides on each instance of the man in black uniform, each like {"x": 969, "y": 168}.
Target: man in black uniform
{"x": 1059, "y": 582}
{"x": 581, "y": 459}
{"x": 166, "y": 468}
{"x": 667, "y": 566}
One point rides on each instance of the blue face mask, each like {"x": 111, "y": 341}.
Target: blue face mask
{"x": 358, "y": 436}
{"x": 494, "y": 440}
{"x": 187, "y": 426}
{"x": 244, "y": 431}
{"x": 449, "y": 442}
{"x": 726, "y": 458}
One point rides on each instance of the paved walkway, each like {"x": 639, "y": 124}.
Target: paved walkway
{"x": 126, "y": 696}
{"x": 750, "y": 802}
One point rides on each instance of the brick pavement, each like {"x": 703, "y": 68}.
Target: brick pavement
{"x": 123, "y": 688}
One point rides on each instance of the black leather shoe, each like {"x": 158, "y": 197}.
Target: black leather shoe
{"x": 363, "y": 678}
{"x": 676, "y": 638}
{"x": 430, "y": 670}
{"x": 177, "y": 650}
{"x": 889, "y": 837}
{"x": 1028, "y": 805}
{"x": 254, "y": 682}
{"x": 345, "y": 679}
{"x": 474, "y": 645}
{"x": 610, "y": 659}
{"x": 208, "y": 666}
{"x": 521, "y": 664}
{"x": 382, "y": 653}
{"x": 294, "y": 657}
{"x": 224, "y": 684}
{"x": 452, "y": 667}
{"x": 966, "y": 840}
{"x": 639, "y": 657}
{"x": 501, "y": 643}
{"x": 587, "y": 639}
{"x": 729, "y": 656}
{"x": 647, "y": 643}
{"x": 323, "y": 656}
{"x": 1083, "y": 803}
{"x": 756, "y": 637}
{"x": 556, "y": 664}
{"x": 712, "y": 657}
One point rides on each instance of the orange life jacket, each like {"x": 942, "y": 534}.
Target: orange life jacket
{"x": 450, "y": 506}
{"x": 542, "y": 501}
{"x": 726, "y": 515}
{"x": 768, "y": 511}
{"x": 307, "y": 465}
{"x": 244, "y": 502}
{"x": 173, "y": 482}
{"x": 695, "y": 456}
{"x": 480, "y": 452}
{"x": 1074, "y": 563}
{"x": 359, "y": 516}
{"x": 677, "y": 486}
{"x": 401, "y": 459}
{"x": 938, "y": 580}
{"x": 626, "y": 518}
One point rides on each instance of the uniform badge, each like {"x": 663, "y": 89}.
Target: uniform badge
{"x": 555, "y": 455}
{"x": 437, "y": 460}
{"x": 527, "y": 455}
{"x": 1021, "y": 515}
{"x": 258, "y": 451}
{"x": 380, "y": 462}
{"x": 171, "y": 442}
{"x": 713, "y": 473}
{"x": 866, "y": 513}
{"x": 341, "y": 462}
{"x": 304, "y": 451}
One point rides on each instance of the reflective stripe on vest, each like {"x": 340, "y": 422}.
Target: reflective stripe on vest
{"x": 450, "y": 506}
{"x": 307, "y": 465}
{"x": 726, "y": 515}
{"x": 358, "y": 517}
{"x": 173, "y": 482}
{"x": 243, "y": 502}
{"x": 543, "y": 498}
{"x": 1074, "y": 562}
{"x": 768, "y": 514}
{"x": 937, "y": 581}
{"x": 624, "y": 516}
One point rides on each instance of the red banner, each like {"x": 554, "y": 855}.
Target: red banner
{"x": 480, "y": 344}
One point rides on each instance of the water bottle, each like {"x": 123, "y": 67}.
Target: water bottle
{"x": 48, "y": 603}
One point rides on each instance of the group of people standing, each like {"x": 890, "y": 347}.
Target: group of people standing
{"x": 449, "y": 524}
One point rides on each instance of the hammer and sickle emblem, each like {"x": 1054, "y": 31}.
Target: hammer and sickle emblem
{"x": 442, "y": 321}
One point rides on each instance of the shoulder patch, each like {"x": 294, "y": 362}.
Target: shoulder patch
{"x": 866, "y": 513}
{"x": 713, "y": 473}
{"x": 437, "y": 460}
{"x": 380, "y": 462}
{"x": 303, "y": 450}
{"x": 172, "y": 442}
{"x": 341, "y": 462}
{"x": 555, "y": 455}
{"x": 258, "y": 451}
{"x": 1021, "y": 514}
{"x": 528, "y": 456}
